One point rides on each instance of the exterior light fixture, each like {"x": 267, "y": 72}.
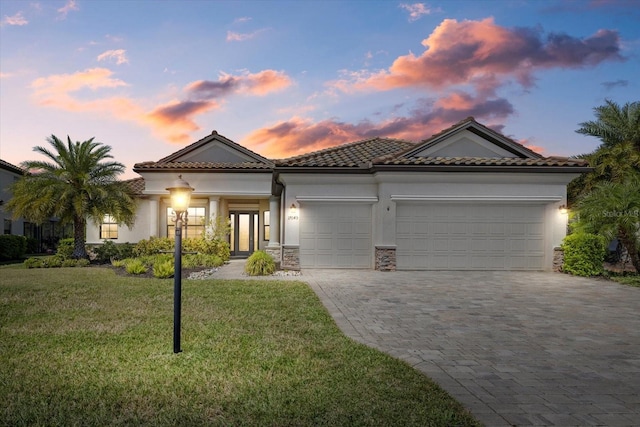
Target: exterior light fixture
{"x": 563, "y": 209}
{"x": 180, "y": 193}
{"x": 293, "y": 210}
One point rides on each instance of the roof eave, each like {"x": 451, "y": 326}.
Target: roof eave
{"x": 481, "y": 168}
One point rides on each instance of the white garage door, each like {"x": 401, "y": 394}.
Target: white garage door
{"x": 465, "y": 236}
{"x": 335, "y": 235}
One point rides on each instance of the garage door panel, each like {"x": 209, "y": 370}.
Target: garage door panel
{"x": 470, "y": 236}
{"x": 341, "y": 237}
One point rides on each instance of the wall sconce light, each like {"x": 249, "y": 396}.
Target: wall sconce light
{"x": 563, "y": 209}
{"x": 293, "y": 212}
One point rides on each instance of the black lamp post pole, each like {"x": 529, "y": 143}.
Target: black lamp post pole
{"x": 177, "y": 284}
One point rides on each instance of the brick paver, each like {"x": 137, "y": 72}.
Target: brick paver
{"x": 514, "y": 348}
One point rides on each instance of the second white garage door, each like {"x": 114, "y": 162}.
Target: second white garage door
{"x": 335, "y": 235}
{"x": 466, "y": 236}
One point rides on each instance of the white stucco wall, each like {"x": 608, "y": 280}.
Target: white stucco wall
{"x": 6, "y": 179}
{"x": 383, "y": 190}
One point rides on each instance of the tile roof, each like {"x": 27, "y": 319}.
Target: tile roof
{"x": 11, "y": 168}
{"x": 352, "y": 155}
{"x": 201, "y": 166}
{"x": 136, "y": 184}
{"x": 481, "y": 161}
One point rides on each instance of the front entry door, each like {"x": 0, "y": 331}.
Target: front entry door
{"x": 244, "y": 235}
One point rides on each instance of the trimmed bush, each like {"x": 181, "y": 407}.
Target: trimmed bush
{"x": 260, "y": 263}
{"x": 12, "y": 247}
{"x": 163, "y": 270}
{"x": 584, "y": 254}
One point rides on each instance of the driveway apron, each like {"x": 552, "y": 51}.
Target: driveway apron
{"x": 515, "y": 348}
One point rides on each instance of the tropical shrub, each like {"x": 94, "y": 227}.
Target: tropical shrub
{"x": 584, "y": 254}
{"x": 260, "y": 263}
{"x": 163, "y": 270}
{"x": 154, "y": 245}
{"x": 82, "y": 262}
{"x": 69, "y": 263}
{"x": 33, "y": 263}
{"x": 108, "y": 251}
{"x": 135, "y": 266}
{"x": 53, "y": 261}
{"x": 65, "y": 248}
{"x": 12, "y": 247}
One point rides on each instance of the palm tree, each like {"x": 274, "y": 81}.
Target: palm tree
{"x": 612, "y": 210}
{"x": 78, "y": 183}
{"x": 618, "y": 155}
{"x": 615, "y": 124}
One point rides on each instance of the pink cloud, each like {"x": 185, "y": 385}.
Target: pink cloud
{"x": 69, "y": 6}
{"x": 260, "y": 84}
{"x": 17, "y": 19}
{"x": 172, "y": 121}
{"x": 416, "y": 10}
{"x": 118, "y": 54}
{"x": 485, "y": 54}
{"x": 298, "y": 135}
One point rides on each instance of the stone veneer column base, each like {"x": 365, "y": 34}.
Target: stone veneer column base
{"x": 558, "y": 259}
{"x": 386, "y": 258}
{"x": 276, "y": 253}
{"x": 291, "y": 257}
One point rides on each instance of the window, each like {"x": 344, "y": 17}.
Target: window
{"x": 7, "y": 226}
{"x": 109, "y": 228}
{"x": 267, "y": 223}
{"x": 193, "y": 227}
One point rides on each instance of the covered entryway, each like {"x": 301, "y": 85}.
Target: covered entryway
{"x": 470, "y": 236}
{"x": 335, "y": 235}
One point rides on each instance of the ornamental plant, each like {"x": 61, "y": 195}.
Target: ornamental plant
{"x": 584, "y": 254}
{"x": 260, "y": 263}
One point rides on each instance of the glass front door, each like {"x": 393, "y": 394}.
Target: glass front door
{"x": 244, "y": 235}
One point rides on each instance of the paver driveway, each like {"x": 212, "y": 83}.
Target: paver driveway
{"x": 514, "y": 348}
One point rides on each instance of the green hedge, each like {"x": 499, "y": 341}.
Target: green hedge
{"x": 12, "y": 247}
{"x": 584, "y": 254}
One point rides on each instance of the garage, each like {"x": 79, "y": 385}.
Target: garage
{"x": 470, "y": 236}
{"x": 335, "y": 235}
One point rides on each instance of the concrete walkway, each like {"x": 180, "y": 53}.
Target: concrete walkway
{"x": 514, "y": 348}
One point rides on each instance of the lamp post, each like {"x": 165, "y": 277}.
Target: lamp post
{"x": 180, "y": 193}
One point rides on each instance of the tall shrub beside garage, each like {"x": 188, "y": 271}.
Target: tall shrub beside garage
{"x": 584, "y": 254}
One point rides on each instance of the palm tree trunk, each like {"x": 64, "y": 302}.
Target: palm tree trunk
{"x": 631, "y": 245}
{"x": 79, "y": 225}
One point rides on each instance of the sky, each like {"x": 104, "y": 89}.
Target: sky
{"x": 284, "y": 78}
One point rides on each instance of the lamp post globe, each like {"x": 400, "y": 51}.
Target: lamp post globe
{"x": 180, "y": 193}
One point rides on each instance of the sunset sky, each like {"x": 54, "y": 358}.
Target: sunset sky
{"x": 287, "y": 77}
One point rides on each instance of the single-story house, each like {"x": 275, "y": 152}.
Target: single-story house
{"x": 468, "y": 198}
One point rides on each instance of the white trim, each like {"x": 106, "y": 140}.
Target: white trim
{"x": 345, "y": 199}
{"x": 449, "y": 198}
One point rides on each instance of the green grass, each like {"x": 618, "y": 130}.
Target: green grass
{"x": 88, "y": 347}
{"x": 631, "y": 280}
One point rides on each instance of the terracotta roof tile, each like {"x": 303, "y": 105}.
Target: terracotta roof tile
{"x": 12, "y": 168}
{"x": 136, "y": 184}
{"x": 482, "y": 161}
{"x": 201, "y": 166}
{"x": 352, "y": 155}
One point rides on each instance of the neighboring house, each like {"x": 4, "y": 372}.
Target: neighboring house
{"x": 468, "y": 198}
{"x": 8, "y": 175}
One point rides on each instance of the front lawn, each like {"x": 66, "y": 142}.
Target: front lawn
{"x": 84, "y": 346}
